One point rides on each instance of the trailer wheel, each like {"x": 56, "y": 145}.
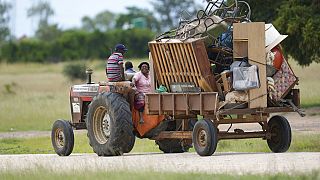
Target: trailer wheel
{"x": 62, "y": 137}
{"x": 204, "y": 137}
{"x": 109, "y": 125}
{"x": 173, "y": 146}
{"x": 280, "y": 134}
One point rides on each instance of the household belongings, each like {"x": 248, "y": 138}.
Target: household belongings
{"x": 237, "y": 96}
{"x": 284, "y": 81}
{"x": 271, "y": 88}
{"x": 242, "y": 62}
{"x": 273, "y": 37}
{"x": 274, "y": 60}
{"x": 184, "y": 87}
{"x": 274, "y": 55}
{"x": 245, "y": 78}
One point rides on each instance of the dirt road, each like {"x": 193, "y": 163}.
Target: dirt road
{"x": 230, "y": 163}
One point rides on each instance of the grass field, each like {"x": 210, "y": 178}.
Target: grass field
{"x": 33, "y": 96}
{"x": 309, "y": 83}
{"x": 42, "y": 174}
{"x": 301, "y": 142}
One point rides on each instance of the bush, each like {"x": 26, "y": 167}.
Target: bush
{"x": 75, "y": 71}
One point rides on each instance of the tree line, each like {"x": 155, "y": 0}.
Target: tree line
{"x": 77, "y": 45}
{"x": 94, "y": 39}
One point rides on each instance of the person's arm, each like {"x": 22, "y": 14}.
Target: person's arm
{"x": 120, "y": 63}
{"x": 134, "y": 79}
{"x": 122, "y": 72}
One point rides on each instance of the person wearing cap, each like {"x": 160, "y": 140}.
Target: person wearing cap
{"x": 114, "y": 67}
{"x": 142, "y": 81}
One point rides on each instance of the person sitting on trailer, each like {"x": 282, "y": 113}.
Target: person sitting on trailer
{"x": 142, "y": 81}
{"x": 128, "y": 71}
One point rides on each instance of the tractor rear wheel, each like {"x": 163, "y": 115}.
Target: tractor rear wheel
{"x": 204, "y": 137}
{"x": 62, "y": 137}
{"x": 109, "y": 125}
{"x": 280, "y": 130}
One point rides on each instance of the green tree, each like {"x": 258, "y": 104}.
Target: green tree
{"x": 103, "y": 21}
{"x": 4, "y": 29}
{"x": 4, "y": 19}
{"x": 48, "y": 33}
{"x": 133, "y": 13}
{"x": 299, "y": 19}
{"x": 170, "y": 11}
{"x": 88, "y": 24}
{"x": 264, "y": 10}
{"x": 42, "y": 11}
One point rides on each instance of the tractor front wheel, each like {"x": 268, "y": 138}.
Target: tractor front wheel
{"x": 62, "y": 137}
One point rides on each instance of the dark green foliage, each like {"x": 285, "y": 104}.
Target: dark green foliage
{"x": 73, "y": 45}
{"x": 264, "y": 10}
{"x": 4, "y": 19}
{"x": 299, "y": 19}
{"x": 75, "y": 71}
{"x": 31, "y": 50}
{"x": 136, "y": 40}
{"x": 48, "y": 33}
{"x": 9, "y": 88}
{"x": 9, "y": 52}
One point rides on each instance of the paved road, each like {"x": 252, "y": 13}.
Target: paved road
{"x": 230, "y": 163}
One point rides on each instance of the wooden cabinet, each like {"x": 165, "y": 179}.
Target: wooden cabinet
{"x": 249, "y": 41}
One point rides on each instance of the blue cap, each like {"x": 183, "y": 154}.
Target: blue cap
{"x": 120, "y": 47}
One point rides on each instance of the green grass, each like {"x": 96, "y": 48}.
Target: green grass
{"x": 301, "y": 142}
{"x": 309, "y": 84}
{"x": 33, "y": 95}
{"x": 115, "y": 175}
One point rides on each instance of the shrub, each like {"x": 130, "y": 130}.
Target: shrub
{"x": 75, "y": 71}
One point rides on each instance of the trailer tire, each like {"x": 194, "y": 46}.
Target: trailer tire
{"x": 281, "y": 140}
{"x": 173, "y": 146}
{"x": 62, "y": 137}
{"x": 204, "y": 137}
{"x": 109, "y": 125}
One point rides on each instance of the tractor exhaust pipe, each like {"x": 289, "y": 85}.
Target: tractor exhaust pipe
{"x": 89, "y": 72}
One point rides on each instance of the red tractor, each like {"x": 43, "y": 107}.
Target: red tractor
{"x": 106, "y": 111}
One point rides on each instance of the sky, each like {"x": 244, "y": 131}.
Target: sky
{"x": 68, "y": 13}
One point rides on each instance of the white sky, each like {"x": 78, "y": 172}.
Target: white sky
{"x": 68, "y": 13}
